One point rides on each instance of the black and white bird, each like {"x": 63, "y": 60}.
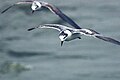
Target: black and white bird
{"x": 37, "y": 5}
{"x": 68, "y": 34}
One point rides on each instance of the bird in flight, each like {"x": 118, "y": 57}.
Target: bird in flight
{"x": 36, "y": 5}
{"x": 68, "y": 34}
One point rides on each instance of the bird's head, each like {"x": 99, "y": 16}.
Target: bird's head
{"x": 36, "y": 5}
{"x": 64, "y": 35}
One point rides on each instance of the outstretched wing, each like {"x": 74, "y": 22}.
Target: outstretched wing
{"x": 93, "y": 33}
{"x": 108, "y": 39}
{"x": 87, "y": 32}
{"x": 64, "y": 17}
{"x": 21, "y": 2}
{"x": 52, "y": 26}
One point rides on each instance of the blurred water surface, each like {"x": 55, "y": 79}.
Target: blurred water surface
{"x": 86, "y": 59}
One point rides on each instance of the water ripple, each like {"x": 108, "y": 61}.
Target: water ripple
{"x": 74, "y": 57}
{"x": 27, "y": 54}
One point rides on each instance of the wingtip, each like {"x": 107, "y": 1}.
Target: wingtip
{"x": 7, "y": 8}
{"x": 3, "y": 11}
{"x": 30, "y": 29}
{"x": 108, "y": 39}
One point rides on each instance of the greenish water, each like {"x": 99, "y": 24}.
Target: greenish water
{"x": 85, "y": 59}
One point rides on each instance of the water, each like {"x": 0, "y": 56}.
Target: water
{"x": 86, "y": 59}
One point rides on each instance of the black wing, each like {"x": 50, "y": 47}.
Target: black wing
{"x": 58, "y": 12}
{"x": 108, "y": 39}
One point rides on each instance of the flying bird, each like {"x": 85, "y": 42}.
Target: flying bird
{"x": 68, "y": 34}
{"x": 36, "y": 5}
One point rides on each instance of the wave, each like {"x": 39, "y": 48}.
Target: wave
{"x": 27, "y": 54}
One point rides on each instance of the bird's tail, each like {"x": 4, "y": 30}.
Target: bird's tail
{"x": 108, "y": 39}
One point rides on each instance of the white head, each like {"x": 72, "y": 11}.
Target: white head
{"x": 64, "y": 35}
{"x": 36, "y": 5}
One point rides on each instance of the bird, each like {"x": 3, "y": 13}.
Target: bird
{"x": 67, "y": 34}
{"x": 36, "y": 5}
